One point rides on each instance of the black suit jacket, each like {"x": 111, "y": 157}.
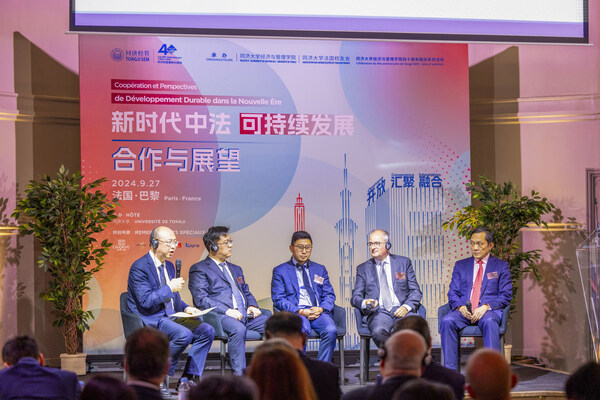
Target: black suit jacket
{"x": 325, "y": 378}
{"x": 384, "y": 391}
{"x": 145, "y": 392}
{"x": 437, "y": 373}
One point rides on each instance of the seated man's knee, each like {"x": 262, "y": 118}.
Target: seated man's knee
{"x": 182, "y": 337}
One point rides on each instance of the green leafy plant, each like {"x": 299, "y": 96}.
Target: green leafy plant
{"x": 65, "y": 216}
{"x": 504, "y": 210}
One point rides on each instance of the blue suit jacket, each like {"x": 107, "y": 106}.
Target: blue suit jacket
{"x": 210, "y": 288}
{"x": 27, "y": 379}
{"x": 496, "y": 286}
{"x": 145, "y": 297}
{"x": 285, "y": 290}
{"x": 406, "y": 286}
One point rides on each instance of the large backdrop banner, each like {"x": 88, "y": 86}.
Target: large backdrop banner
{"x": 272, "y": 136}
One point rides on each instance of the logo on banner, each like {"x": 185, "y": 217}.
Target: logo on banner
{"x": 166, "y": 55}
{"x": 117, "y": 54}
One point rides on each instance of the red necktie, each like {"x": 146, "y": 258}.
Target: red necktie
{"x": 477, "y": 286}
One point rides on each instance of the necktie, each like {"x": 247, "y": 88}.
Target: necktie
{"x": 384, "y": 287}
{"x": 239, "y": 299}
{"x": 163, "y": 282}
{"x": 477, "y": 286}
{"x": 306, "y": 281}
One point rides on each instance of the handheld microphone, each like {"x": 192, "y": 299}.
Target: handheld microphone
{"x": 469, "y": 307}
{"x": 177, "y": 268}
{"x": 370, "y": 306}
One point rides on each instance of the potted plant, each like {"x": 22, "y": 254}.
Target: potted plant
{"x": 504, "y": 210}
{"x": 66, "y": 216}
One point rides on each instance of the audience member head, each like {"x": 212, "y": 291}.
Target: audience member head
{"x": 421, "y": 389}
{"x": 224, "y": 387}
{"x": 18, "y": 347}
{"x": 147, "y": 355}
{"x": 288, "y": 326}
{"x": 103, "y": 387}
{"x": 584, "y": 384}
{"x": 403, "y": 354}
{"x": 279, "y": 373}
{"x": 417, "y": 324}
{"x": 489, "y": 376}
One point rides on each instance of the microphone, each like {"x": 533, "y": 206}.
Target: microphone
{"x": 469, "y": 307}
{"x": 177, "y": 268}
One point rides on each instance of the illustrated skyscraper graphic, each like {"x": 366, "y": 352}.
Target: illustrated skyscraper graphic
{"x": 413, "y": 217}
{"x": 346, "y": 229}
{"x": 299, "y": 216}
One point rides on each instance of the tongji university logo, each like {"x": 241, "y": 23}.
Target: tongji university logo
{"x": 117, "y": 54}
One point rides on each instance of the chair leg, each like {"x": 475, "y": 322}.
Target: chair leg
{"x": 223, "y": 354}
{"x": 342, "y": 365}
{"x": 458, "y": 355}
{"x": 362, "y": 361}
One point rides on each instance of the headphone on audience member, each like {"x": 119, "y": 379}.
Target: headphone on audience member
{"x": 153, "y": 241}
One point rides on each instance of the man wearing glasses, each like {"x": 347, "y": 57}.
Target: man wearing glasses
{"x": 153, "y": 294}
{"x": 386, "y": 288}
{"x": 214, "y": 282}
{"x": 302, "y": 286}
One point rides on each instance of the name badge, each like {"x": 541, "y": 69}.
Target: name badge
{"x": 318, "y": 279}
{"x": 240, "y": 280}
{"x": 492, "y": 275}
{"x": 400, "y": 275}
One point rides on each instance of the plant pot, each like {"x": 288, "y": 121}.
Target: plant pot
{"x": 74, "y": 363}
{"x": 508, "y": 352}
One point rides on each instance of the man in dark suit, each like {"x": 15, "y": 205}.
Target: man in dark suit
{"x": 324, "y": 375}
{"x": 25, "y": 376}
{"x": 386, "y": 288}
{"x": 216, "y": 283}
{"x": 153, "y": 294}
{"x": 302, "y": 286}
{"x": 401, "y": 360}
{"x": 433, "y": 371}
{"x": 146, "y": 362}
{"x": 480, "y": 288}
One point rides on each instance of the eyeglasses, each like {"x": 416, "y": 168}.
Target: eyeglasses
{"x": 299, "y": 247}
{"x": 226, "y": 243}
{"x": 375, "y": 244}
{"x": 169, "y": 243}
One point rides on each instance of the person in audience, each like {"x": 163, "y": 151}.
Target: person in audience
{"x": 433, "y": 370}
{"x": 401, "y": 359}
{"x": 102, "y": 387}
{"x": 215, "y": 282}
{"x": 481, "y": 287}
{"x": 386, "y": 288}
{"x": 224, "y": 387}
{"x": 279, "y": 373}
{"x": 422, "y": 389}
{"x": 26, "y": 377}
{"x": 153, "y": 294}
{"x": 324, "y": 376}
{"x": 147, "y": 362}
{"x": 489, "y": 376}
{"x": 584, "y": 384}
{"x": 302, "y": 286}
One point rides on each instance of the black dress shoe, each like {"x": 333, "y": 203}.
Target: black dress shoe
{"x": 164, "y": 391}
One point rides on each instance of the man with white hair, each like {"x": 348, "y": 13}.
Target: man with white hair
{"x": 402, "y": 359}
{"x": 489, "y": 376}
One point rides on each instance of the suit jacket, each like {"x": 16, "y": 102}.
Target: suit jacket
{"x": 285, "y": 290}
{"x": 384, "y": 391}
{"x": 210, "y": 287}
{"x": 325, "y": 378}
{"x": 145, "y": 392}
{"x": 496, "y": 286}
{"x": 145, "y": 297}
{"x": 27, "y": 379}
{"x": 437, "y": 373}
{"x": 405, "y": 283}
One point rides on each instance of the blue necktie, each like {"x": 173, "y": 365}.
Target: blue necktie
{"x": 306, "y": 281}
{"x": 239, "y": 299}
{"x": 163, "y": 282}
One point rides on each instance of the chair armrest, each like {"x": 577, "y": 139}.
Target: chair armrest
{"x": 339, "y": 317}
{"x": 443, "y": 310}
{"x": 214, "y": 320}
{"x": 504, "y": 320}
